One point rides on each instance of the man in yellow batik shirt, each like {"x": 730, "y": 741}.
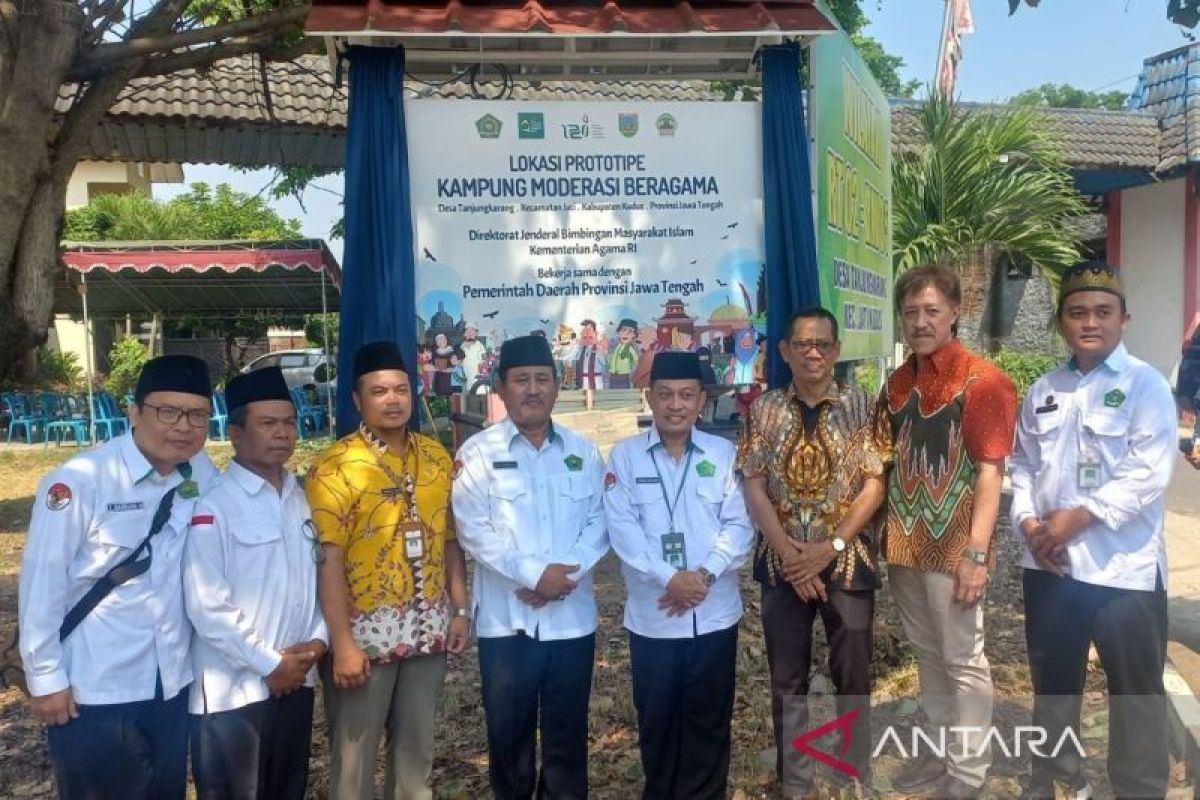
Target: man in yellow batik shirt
{"x": 393, "y": 585}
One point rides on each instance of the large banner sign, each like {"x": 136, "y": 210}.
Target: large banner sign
{"x": 853, "y": 172}
{"x": 615, "y": 229}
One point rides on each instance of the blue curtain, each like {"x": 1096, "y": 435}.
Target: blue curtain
{"x": 378, "y": 291}
{"x": 791, "y": 248}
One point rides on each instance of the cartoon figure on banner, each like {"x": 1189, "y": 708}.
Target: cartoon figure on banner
{"x": 473, "y": 353}
{"x": 682, "y": 340}
{"x": 745, "y": 353}
{"x": 565, "y": 350}
{"x": 458, "y": 375}
{"x": 623, "y": 359}
{"x": 590, "y": 363}
{"x": 442, "y": 351}
{"x": 426, "y": 369}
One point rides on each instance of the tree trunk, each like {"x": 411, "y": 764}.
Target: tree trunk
{"x": 39, "y": 45}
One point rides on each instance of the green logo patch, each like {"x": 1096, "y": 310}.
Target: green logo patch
{"x": 189, "y": 489}
{"x": 573, "y": 462}
{"x": 706, "y": 469}
{"x": 1114, "y": 399}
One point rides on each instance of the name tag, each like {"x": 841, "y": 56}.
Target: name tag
{"x": 1046, "y": 409}
{"x": 651, "y": 479}
{"x": 118, "y": 507}
{"x": 414, "y": 540}
{"x": 674, "y": 550}
{"x": 504, "y": 465}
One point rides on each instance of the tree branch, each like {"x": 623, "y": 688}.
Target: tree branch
{"x": 203, "y": 57}
{"x": 104, "y": 55}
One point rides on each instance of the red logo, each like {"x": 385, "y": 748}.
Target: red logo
{"x": 203, "y": 519}
{"x": 610, "y": 480}
{"x": 58, "y": 497}
{"x": 845, "y": 724}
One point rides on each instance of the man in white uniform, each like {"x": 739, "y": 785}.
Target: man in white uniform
{"x": 473, "y": 353}
{"x": 104, "y": 637}
{"x": 527, "y": 502}
{"x": 250, "y": 588}
{"x": 1095, "y": 446}
{"x": 678, "y": 521}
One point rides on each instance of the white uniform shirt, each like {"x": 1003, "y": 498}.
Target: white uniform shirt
{"x": 518, "y": 510}
{"x": 90, "y": 514}
{"x": 1124, "y": 413}
{"x": 711, "y": 514}
{"x": 473, "y": 354}
{"x": 250, "y": 587}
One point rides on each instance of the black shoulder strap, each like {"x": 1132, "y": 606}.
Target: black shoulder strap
{"x": 129, "y": 568}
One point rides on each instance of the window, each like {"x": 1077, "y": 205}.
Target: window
{"x": 291, "y": 360}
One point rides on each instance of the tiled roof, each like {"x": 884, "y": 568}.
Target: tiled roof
{"x": 222, "y": 115}
{"x": 1091, "y": 139}
{"x": 1169, "y": 88}
{"x": 583, "y": 17}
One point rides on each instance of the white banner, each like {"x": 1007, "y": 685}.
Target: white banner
{"x": 552, "y": 216}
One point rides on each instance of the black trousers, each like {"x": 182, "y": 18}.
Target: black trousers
{"x": 123, "y": 751}
{"x": 683, "y": 690}
{"x": 530, "y": 685}
{"x": 788, "y": 626}
{"x": 256, "y": 752}
{"x": 1129, "y": 628}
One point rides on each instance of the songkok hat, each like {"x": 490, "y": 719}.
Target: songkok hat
{"x": 266, "y": 383}
{"x": 525, "y": 351}
{"x": 628, "y": 323}
{"x": 376, "y": 356}
{"x": 176, "y": 373}
{"x": 1093, "y": 276}
{"x": 674, "y": 365}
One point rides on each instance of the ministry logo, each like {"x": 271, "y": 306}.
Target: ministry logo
{"x": 531, "y": 125}
{"x": 627, "y": 124}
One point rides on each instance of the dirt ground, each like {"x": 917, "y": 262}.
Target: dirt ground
{"x": 460, "y": 770}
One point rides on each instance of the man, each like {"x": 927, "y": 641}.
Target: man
{"x": 528, "y": 505}
{"x": 250, "y": 588}
{"x": 624, "y": 358}
{"x": 952, "y": 415}
{"x": 392, "y": 586}
{"x": 1094, "y": 454}
{"x": 473, "y": 353}
{"x": 813, "y": 456}
{"x": 591, "y": 363}
{"x": 677, "y": 520}
{"x": 106, "y": 651}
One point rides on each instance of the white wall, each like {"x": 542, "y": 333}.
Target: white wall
{"x": 1152, "y": 231}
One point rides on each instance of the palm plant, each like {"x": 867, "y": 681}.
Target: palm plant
{"x": 979, "y": 179}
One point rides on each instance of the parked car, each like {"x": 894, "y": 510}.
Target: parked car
{"x": 307, "y": 369}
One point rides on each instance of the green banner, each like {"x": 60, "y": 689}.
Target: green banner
{"x": 852, "y": 167}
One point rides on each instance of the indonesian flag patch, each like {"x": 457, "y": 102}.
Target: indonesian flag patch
{"x": 203, "y": 519}
{"x": 58, "y": 497}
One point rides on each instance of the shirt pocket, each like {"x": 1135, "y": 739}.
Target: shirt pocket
{"x": 253, "y": 557}
{"x": 1109, "y": 432}
{"x": 115, "y": 540}
{"x": 1047, "y": 425}
{"x": 575, "y": 501}
{"x": 507, "y": 493}
{"x": 710, "y": 492}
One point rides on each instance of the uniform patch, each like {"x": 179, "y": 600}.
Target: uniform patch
{"x": 117, "y": 507}
{"x": 573, "y": 462}
{"x": 58, "y": 497}
{"x": 458, "y": 468}
{"x": 504, "y": 465}
{"x": 640, "y": 479}
{"x": 706, "y": 469}
{"x": 189, "y": 490}
{"x": 204, "y": 519}
{"x": 610, "y": 480}
{"x": 1114, "y": 399}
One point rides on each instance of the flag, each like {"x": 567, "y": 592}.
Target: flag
{"x": 959, "y": 22}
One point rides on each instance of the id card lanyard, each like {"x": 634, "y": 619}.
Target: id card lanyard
{"x": 413, "y": 530}
{"x": 1087, "y": 475}
{"x": 674, "y": 550}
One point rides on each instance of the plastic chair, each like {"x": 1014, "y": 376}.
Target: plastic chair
{"x": 21, "y": 415}
{"x": 218, "y": 424}
{"x": 306, "y": 414}
{"x": 109, "y": 420}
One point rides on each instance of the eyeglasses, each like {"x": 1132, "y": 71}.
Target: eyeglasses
{"x": 822, "y": 346}
{"x": 169, "y": 415}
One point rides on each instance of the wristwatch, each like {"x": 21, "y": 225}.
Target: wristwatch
{"x": 979, "y": 557}
{"x": 839, "y": 544}
{"x": 460, "y": 612}
{"x": 709, "y": 578}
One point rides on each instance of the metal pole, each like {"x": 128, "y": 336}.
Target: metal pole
{"x": 325, "y": 337}
{"x": 942, "y": 47}
{"x": 87, "y": 357}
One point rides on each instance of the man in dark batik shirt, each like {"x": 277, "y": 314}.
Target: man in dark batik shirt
{"x": 814, "y": 456}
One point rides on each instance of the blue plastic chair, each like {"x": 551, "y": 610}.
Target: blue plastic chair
{"x": 218, "y": 424}
{"x": 22, "y": 415}
{"x": 109, "y": 420}
{"x": 306, "y": 414}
